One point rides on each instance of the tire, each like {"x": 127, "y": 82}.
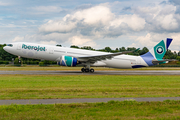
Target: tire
{"x": 86, "y": 70}
{"x": 91, "y": 70}
{"x": 83, "y": 70}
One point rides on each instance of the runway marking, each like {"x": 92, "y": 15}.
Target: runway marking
{"x": 82, "y": 100}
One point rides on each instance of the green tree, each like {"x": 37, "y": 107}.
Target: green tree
{"x": 18, "y": 61}
{"x": 87, "y": 48}
{"x": 73, "y": 46}
{"x": 178, "y": 58}
{"x": 179, "y": 53}
{"x": 116, "y": 50}
{"x": 143, "y": 51}
{"x": 131, "y": 49}
{"x": 59, "y": 45}
{"x": 170, "y": 55}
{"x": 5, "y": 56}
{"x": 122, "y": 49}
{"x": 107, "y": 49}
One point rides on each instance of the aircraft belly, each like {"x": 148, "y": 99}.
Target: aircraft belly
{"x": 99, "y": 64}
{"x": 126, "y": 62}
{"x": 115, "y": 63}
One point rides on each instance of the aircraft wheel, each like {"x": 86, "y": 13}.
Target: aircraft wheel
{"x": 91, "y": 70}
{"x": 83, "y": 70}
{"x": 87, "y": 70}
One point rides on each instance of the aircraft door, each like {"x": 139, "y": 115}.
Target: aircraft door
{"x": 19, "y": 47}
{"x": 133, "y": 61}
{"x": 139, "y": 61}
{"x": 51, "y": 50}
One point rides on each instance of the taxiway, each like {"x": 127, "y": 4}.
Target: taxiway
{"x": 82, "y": 100}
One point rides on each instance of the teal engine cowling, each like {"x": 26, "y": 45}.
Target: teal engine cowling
{"x": 68, "y": 61}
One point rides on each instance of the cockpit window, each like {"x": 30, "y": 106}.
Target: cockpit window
{"x": 10, "y": 45}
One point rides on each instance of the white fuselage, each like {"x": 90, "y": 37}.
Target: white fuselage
{"x": 54, "y": 53}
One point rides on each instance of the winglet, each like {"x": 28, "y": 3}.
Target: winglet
{"x": 136, "y": 50}
{"x": 168, "y": 42}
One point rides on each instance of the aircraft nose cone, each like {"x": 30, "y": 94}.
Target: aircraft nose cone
{"x": 5, "y": 48}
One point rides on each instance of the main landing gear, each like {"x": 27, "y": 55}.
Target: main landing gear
{"x": 87, "y": 70}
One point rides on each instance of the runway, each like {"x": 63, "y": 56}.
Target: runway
{"x": 128, "y": 72}
{"x": 81, "y": 100}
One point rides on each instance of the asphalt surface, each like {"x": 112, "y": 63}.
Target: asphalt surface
{"x": 129, "y": 72}
{"x": 82, "y": 100}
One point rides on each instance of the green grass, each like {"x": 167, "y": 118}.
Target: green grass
{"x": 97, "y": 86}
{"x": 87, "y": 86}
{"x": 113, "y": 110}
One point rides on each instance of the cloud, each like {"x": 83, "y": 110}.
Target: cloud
{"x": 81, "y": 20}
{"x": 149, "y": 38}
{"x": 96, "y": 20}
{"x": 18, "y": 39}
{"x": 92, "y": 16}
{"x": 168, "y": 22}
{"x": 175, "y": 2}
{"x": 81, "y": 41}
{"x": 159, "y": 18}
{"x": 88, "y": 24}
{"x": 133, "y": 45}
{"x": 57, "y": 26}
{"x": 39, "y": 38}
{"x": 134, "y": 22}
{"x": 45, "y": 9}
{"x": 49, "y": 42}
{"x": 4, "y": 4}
{"x": 84, "y": 6}
{"x": 153, "y": 38}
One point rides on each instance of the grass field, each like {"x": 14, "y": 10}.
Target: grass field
{"x": 113, "y": 110}
{"x": 89, "y": 86}
{"x": 74, "y": 86}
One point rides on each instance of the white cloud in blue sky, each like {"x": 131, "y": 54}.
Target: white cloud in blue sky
{"x": 97, "y": 23}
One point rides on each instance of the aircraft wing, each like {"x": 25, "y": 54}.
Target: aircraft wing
{"x": 163, "y": 60}
{"x": 95, "y": 58}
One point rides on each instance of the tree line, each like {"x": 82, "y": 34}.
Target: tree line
{"x": 6, "y": 57}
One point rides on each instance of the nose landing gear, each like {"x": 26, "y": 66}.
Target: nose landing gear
{"x": 87, "y": 70}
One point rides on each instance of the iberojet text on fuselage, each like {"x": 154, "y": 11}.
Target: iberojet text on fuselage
{"x": 38, "y": 48}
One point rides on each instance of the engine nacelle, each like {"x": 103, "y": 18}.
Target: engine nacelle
{"x": 68, "y": 61}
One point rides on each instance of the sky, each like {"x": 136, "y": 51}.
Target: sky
{"x": 95, "y": 23}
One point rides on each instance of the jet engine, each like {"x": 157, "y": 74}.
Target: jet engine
{"x": 68, "y": 61}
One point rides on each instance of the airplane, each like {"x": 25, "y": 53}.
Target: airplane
{"x": 87, "y": 58}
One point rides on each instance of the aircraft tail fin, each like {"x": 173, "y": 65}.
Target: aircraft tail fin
{"x": 157, "y": 52}
{"x": 160, "y": 49}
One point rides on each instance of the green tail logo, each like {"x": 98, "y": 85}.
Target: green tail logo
{"x": 160, "y": 50}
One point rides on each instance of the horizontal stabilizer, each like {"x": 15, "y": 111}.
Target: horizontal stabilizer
{"x": 163, "y": 60}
